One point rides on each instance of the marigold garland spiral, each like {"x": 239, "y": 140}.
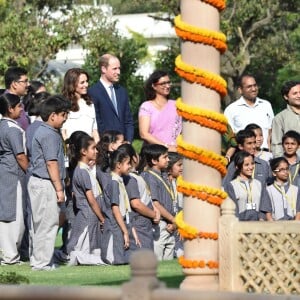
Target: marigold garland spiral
{"x": 189, "y": 232}
{"x": 203, "y": 117}
{"x": 200, "y": 35}
{"x": 203, "y": 156}
{"x": 209, "y": 119}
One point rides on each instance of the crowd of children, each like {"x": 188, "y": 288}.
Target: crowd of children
{"x": 117, "y": 201}
{"x": 263, "y": 187}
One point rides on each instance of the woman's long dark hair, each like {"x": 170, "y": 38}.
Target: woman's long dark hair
{"x": 239, "y": 159}
{"x": 69, "y": 88}
{"x": 150, "y": 93}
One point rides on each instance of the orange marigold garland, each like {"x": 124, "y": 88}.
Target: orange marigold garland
{"x": 203, "y": 156}
{"x": 202, "y": 117}
{"x": 205, "y": 78}
{"x": 200, "y": 35}
{"x": 202, "y": 192}
{"x": 190, "y": 232}
{"x": 193, "y": 264}
{"x": 218, "y": 4}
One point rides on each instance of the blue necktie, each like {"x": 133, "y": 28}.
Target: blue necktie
{"x": 113, "y": 98}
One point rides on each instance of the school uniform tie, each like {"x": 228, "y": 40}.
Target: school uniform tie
{"x": 113, "y": 98}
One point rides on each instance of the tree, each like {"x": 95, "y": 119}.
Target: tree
{"x": 263, "y": 39}
{"x": 138, "y": 6}
{"x": 259, "y": 42}
{"x": 30, "y": 35}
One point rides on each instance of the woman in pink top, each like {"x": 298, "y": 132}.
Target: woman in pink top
{"x": 159, "y": 122}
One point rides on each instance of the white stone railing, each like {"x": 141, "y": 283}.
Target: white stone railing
{"x": 258, "y": 257}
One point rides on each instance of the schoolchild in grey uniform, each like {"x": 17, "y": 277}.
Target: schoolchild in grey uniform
{"x": 61, "y": 255}
{"x": 110, "y": 140}
{"x": 250, "y": 196}
{"x": 13, "y": 165}
{"x": 156, "y": 158}
{"x": 45, "y": 186}
{"x": 33, "y": 110}
{"x": 290, "y": 145}
{"x": 261, "y": 153}
{"x": 285, "y": 197}
{"x": 246, "y": 141}
{"x": 84, "y": 243}
{"x": 116, "y": 210}
{"x": 174, "y": 169}
{"x": 143, "y": 213}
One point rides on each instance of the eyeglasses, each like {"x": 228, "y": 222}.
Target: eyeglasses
{"x": 165, "y": 83}
{"x": 23, "y": 81}
{"x": 282, "y": 170}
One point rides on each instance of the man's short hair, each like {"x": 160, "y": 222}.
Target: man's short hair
{"x": 239, "y": 82}
{"x": 13, "y": 74}
{"x": 54, "y": 104}
{"x": 285, "y": 89}
{"x": 244, "y": 134}
{"x": 104, "y": 60}
{"x": 292, "y": 134}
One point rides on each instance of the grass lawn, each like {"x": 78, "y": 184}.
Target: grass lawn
{"x": 168, "y": 271}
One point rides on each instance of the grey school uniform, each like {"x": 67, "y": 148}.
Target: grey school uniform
{"x": 164, "y": 242}
{"x": 137, "y": 188}
{"x": 294, "y": 176}
{"x": 262, "y": 172}
{"x": 29, "y": 133}
{"x": 285, "y": 201}
{"x": 250, "y": 197}
{"x": 47, "y": 145}
{"x": 13, "y": 190}
{"x": 84, "y": 243}
{"x": 112, "y": 243}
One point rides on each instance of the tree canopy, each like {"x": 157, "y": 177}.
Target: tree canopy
{"x": 30, "y": 35}
{"x": 33, "y": 31}
{"x": 263, "y": 39}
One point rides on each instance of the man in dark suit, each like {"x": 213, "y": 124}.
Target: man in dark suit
{"x": 111, "y": 99}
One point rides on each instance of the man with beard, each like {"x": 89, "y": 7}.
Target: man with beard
{"x": 289, "y": 118}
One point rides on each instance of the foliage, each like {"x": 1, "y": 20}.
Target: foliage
{"x": 12, "y": 278}
{"x": 260, "y": 33}
{"x": 137, "y": 145}
{"x": 140, "y": 6}
{"x": 263, "y": 39}
{"x": 30, "y": 36}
